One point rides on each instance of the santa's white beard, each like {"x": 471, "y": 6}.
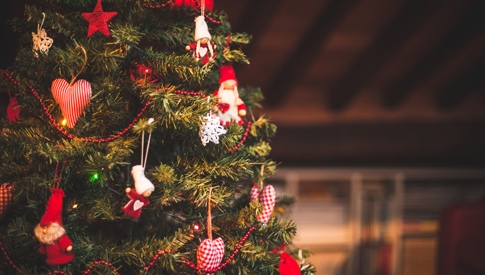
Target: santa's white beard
{"x": 52, "y": 233}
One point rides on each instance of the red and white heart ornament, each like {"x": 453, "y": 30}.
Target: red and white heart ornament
{"x": 267, "y": 199}
{"x": 73, "y": 97}
{"x": 5, "y": 199}
{"x": 210, "y": 252}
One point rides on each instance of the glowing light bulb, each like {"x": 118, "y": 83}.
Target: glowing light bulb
{"x": 196, "y": 227}
{"x": 94, "y": 177}
{"x": 64, "y": 122}
{"x": 74, "y": 206}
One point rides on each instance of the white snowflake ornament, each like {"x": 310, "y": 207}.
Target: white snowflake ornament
{"x": 40, "y": 40}
{"x": 211, "y": 129}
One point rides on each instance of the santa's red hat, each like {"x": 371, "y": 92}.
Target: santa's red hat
{"x": 226, "y": 72}
{"x": 53, "y": 210}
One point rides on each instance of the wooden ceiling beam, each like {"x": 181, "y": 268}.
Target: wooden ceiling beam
{"x": 256, "y": 17}
{"x": 370, "y": 61}
{"x": 458, "y": 89}
{"x": 471, "y": 25}
{"x": 299, "y": 60}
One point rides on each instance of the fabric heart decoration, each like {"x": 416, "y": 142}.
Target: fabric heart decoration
{"x": 137, "y": 205}
{"x": 210, "y": 253}
{"x": 223, "y": 107}
{"x": 267, "y": 198}
{"x": 72, "y": 99}
{"x": 202, "y": 52}
{"x": 5, "y": 199}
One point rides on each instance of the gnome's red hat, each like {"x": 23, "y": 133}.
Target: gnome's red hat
{"x": 226, "y": 72}
{"x": 53, "y": 210}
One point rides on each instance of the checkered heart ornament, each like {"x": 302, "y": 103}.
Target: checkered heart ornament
{"x": 73, "y": 97}
{"x": 5, "y": 199}
{"x": 210, "y": 252}
{"x": 267, "y": 198}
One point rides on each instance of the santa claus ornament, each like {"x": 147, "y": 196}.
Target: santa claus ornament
{"x": 143, "y": 186}
{"x": 54, "y": 242}
{"x": 230, "y": 107}
{"x": 202, "y": 49}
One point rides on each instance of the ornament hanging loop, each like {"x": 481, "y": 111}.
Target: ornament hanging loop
{"x": 260, "y": 182}
{"x": 82, "y": 67}
{"x": 209, "y": 214}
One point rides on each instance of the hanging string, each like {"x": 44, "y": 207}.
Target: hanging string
{"x": 83, "y": 66}
{"x": 57, "y": 183}
{"x": 150, "y": 121}
{"x": 260, "y": 182}
{"x": 39, "y": 26}
{"x": 142, "y": 147}
{"x": 202, "y": 7}
{"x": 209, "y": 215}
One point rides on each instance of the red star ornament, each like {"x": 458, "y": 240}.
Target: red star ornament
{"x": 98, "y": 20}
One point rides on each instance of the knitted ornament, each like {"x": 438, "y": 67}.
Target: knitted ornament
{"x": 5, "y": 199}
{"x": 40, "y": 40}
{"x": 267, "y": 198}
{"x": 98, "y": 20}
{"x": 202, "y": 49}
{"x": 72, "y": 99}
{"x": 230, "y": 106}
{"x": 55, "y": 244}
{"x": 211, "y": 129}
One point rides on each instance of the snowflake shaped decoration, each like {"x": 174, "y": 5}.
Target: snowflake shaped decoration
{"x": 211, "y": 129}
{"x": 40, "y": 40}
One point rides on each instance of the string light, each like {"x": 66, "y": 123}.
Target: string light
{"x": 64, "y": 122}
{"x": 94, "y": 177}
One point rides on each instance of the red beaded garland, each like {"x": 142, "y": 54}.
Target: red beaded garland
{"x": 8, "y": 258}
{"x": 63, "y": 131}
{"x": 243, "y": 139}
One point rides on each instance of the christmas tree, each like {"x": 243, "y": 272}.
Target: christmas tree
{"x": 131, "y": 148}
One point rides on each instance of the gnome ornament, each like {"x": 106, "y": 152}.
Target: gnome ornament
{"x": 139, "y": 196}
{"x": 143, "y": 186}
{"x": 230, "y": 107}
{"x": 54, "y": 242}
{"x": 202, "y": 49}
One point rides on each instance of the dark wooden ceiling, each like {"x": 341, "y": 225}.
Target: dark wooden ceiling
{"x": 370, "y": 82}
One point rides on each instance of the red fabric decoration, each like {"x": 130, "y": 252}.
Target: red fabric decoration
{"x": 133, "y": 208}
{"x": 267, "y": 198}
{"x": 57, "y": 251}
{"x": 13, "y": 110}
{"x": 72, "y": 99}
{"x": 288, "y": 265}
{"x": 98, "y": 20}
{"x": 5, "y": 199}
{"x": 210, "y": 253}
